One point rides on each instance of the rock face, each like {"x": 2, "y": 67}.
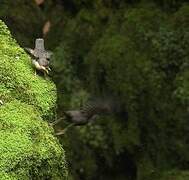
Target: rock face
{"x": 28, "y": 149}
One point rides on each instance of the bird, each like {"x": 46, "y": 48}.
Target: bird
{"x": 39, "y": 67}
{"x": 40, "y": 57}
{"x": 88, "y": 113}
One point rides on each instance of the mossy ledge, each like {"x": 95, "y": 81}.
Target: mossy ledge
{"x": 28, "y": 149}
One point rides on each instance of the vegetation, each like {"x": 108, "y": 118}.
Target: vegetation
{"x": 28, "y": 148}
{"x": 140, "y": 57}
{"x": 136, "y": 52}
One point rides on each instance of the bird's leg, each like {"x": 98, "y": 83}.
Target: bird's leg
{"x": 56, "y": 122}
{"x": 45, "y": 75}
{"x": 46, "y": 72}
{"x": 35, "y": 72}
{"x": 64, "y": 130}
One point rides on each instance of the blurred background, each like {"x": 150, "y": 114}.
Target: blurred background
{"x": 136, "y": 51}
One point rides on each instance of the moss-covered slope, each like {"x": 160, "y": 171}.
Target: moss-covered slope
{"x": 28, "y": 149}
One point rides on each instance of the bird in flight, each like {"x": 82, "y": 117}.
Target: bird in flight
{"x": 88, "y": 113}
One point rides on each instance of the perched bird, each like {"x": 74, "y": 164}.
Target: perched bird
{"x": 87, "y": 114}
{"x": 40, "y": 56}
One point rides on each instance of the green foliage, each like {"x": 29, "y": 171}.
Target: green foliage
{"x": 16, "y": 65}
{"x": 135, "y": 51}
{"x": 140, "y": 58}
{"x": 175, "y": 175}
{"x": 28, "y": 148}
{"x": 140, "y": 62}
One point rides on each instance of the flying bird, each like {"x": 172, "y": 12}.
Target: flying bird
{"x": 86, "y": 114}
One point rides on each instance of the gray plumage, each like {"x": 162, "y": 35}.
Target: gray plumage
{"x": 41, "y": 57}
{"x": 87, "y": 113}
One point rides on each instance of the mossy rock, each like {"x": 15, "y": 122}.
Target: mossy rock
{"x": 28, "y": 148}
{"x": 18, "y": 77}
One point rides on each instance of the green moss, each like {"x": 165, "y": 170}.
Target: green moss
{"x": 18, "y": 77}
{"x": 27, "y": 146}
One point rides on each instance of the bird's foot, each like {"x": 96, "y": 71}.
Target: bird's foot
{"x": 56, "y": 122}
{"x": 62, "y": 132}
{"x": 51, "y": 124}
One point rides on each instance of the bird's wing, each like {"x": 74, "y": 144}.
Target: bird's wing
{"x": 96, "y": 108}
{"x": 49, "y": 54}
{"x": 30, "y": 51}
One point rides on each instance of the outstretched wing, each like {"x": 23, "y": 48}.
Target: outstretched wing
{"x": 49, "y": 54}
{"x": 31, "y": 52}
{"x": 91, "y": 110}
{"x": 98, "y": 107}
